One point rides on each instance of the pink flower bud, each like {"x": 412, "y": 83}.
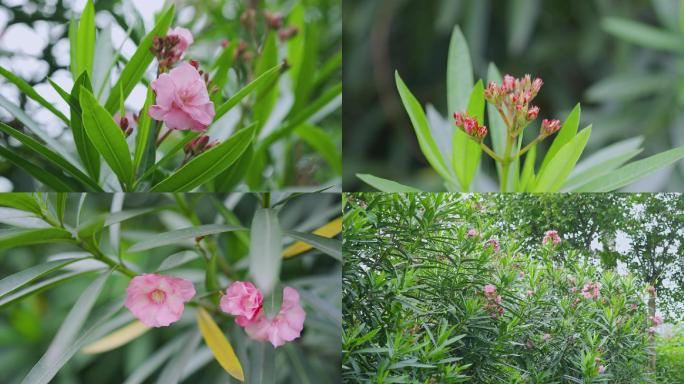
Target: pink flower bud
{"x": 242, "y": 299}
{"x": 492, "y": 243}
{"x": 549, "y": 127}
{"x": 532, "y": 113}
{"x": 472, "y": 232}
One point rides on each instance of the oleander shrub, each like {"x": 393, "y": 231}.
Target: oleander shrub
{"x": 432, "y": 294}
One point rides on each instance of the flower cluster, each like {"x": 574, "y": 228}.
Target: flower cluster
{"x": 492, "y": 244}
{"x": 472, "y": 232}
{"x": 470, "y": 126}
{"x": 599, "y": 367}
{"x": 551, "y": 237}
{"x": 244, "y": 301}
{"x": 170, "y": 49}
{"x": 591, "y": 290}
{"x": 512, "y": 99}
{"x": 158, "y": 301}
{"x": 493, "y": 301}
{"x": 655, "y": 320}
{"x": 198, "y": 145}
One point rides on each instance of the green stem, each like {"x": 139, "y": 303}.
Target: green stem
{"x": 506, "y": 162}
{"x": 528, "y": 147}
{"x": 266, "y": 200}
{"x": 97, "y": 253}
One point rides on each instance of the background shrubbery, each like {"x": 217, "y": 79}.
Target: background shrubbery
{"x": 415, "y": 309}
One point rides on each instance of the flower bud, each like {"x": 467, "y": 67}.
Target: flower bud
{"x": 549, "y": 127}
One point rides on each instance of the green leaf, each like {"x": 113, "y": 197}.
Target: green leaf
{"x": 56, "y": 355}
{"x": 521, "y": 21}
{"x": 34, "y": 127}
{"x": 326, "y": 245}
{"x": 10, "y": 238}
{"x": 171, "y": 374}
{"x": 231, "y": 177}
{"x": 566, "y": 133}
{"x": 137, "y": 65}
{"x": 73, "y": 35}
{"x": 28, "y": 90}
{"x": 222, "y": 66}
{"x": 466, "y": 151}
{"x": 267, "y": 95}
{"x": 643, "y": 34}
{"x": 528, "y": 169}
{"x": 262, "y": 81}
{"x": 154, "y": 361}
{"x": 629, "y": 86}
{"x": 420, "y": 126}
{"x": 104, "y": 61}
{"x": 633, "y": 171}
{"x": 320, "y": 140}
{"x": 219, "y": 345}
{"x": 142, "y": 137}
{"x": 42, "y": 175}
{"x": 86, "y": 150}
{"x": 265, "y": 249}
{"x": 85, "y": 41}
{"x": 209, "y": 164}
{"x": 307, "y": 65}
{"x": 107, "y": 137}
{"x": 22, "y": 201}
{"x": 40, "y": 286}
{"x": 553, "y": 176}
{"x": 20, "y": 279}
{"x": 181, "y": 235}
{"x": 459, "y": 73}
{"x": 51, "y": 156}
{"x": 385, "y": 185}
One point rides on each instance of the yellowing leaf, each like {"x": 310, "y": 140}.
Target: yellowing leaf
{"x": 219, "y": 345}
{"x": 117, "y": 338}
{"x": 329, "y": 230}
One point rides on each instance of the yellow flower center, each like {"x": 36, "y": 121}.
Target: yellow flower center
{"x": 158, "y": 296}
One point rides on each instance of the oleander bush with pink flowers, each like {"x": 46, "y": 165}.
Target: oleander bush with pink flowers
{"x": 133, "y": 288}
{"x": 214, "y": 95}
{"x": 436, "y": 292}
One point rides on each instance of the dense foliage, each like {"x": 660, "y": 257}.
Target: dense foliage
{"x": 435, "y": 291}
{"x": 67, "y": 264}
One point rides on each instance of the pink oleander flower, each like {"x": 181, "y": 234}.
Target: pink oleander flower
{"x": 601, "y": 369}
{"x": 656, "y": 320}
{"x": 551, "y": 237}
{"x": 286, "y": 326}
{"x": 546, "y": 337}
{"x": 549, "y": 127}
{"x": 573, "y": 289}
{"x": 494, "y": 244}
{"x": 157, "y": 300}
{"x": 184, "y": 39}
{"x": 489, "y": 289}
{"x": 242, "y": 299}
{"x": 633, "y": 306}
{"x": 530, "y": 292}
{"x": 182, "y": 99}
{"x": 591, "y": 290}
{"x": 472, "y": 232}
{"x": 470, "y": 126}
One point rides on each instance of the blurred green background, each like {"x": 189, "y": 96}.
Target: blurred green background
{"x": 628, "y": 83}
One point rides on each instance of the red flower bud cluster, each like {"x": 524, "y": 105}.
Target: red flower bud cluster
{"x": 470, "y": 126}
{"x": 164, "y": 49}
{"x": 199, "y": 145}
{"x": 512, "y": 99}
{"x": 127, "y": 122}
{"x": 549, "y": 127}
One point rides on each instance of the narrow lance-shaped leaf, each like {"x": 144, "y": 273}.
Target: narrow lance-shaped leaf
{"x": 53, "y": 157}
{"x": 47, "y": 366}
{"x": 459, "y": 73}
{"x": 385, "y": 185}
{"x": 330, "y": 229}
{"x": 20, "y": 279}
{"x": 219, "y": 344}
{"x": 265, "y": 249}
{"x": 261, "y": 81}
{"x": 85, "y": 41}
{"x": 266, "y": 95}
{"x": 420, "y": 126}
{"x": 117, "y": 338}
{"x": 40, "y": 174}
{"x": 634, "y": 171}
{"x": 180, "y": 235}
{"x": 28, "y": 90}
{"x": 15, "y": 237}
{"x": 566, "y": 133}
{"x": 326, "y": 245}
{"x": 467, "y": 152}
{"x": 107, "y": 137}
{"x": 209, "y": 164}
{"x": 553, "y": 176}
{"x": 23, "y": 201}
{"x": 137, "y": 65}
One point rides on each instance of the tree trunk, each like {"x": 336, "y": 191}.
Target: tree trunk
{"x": 651, "y": 338}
